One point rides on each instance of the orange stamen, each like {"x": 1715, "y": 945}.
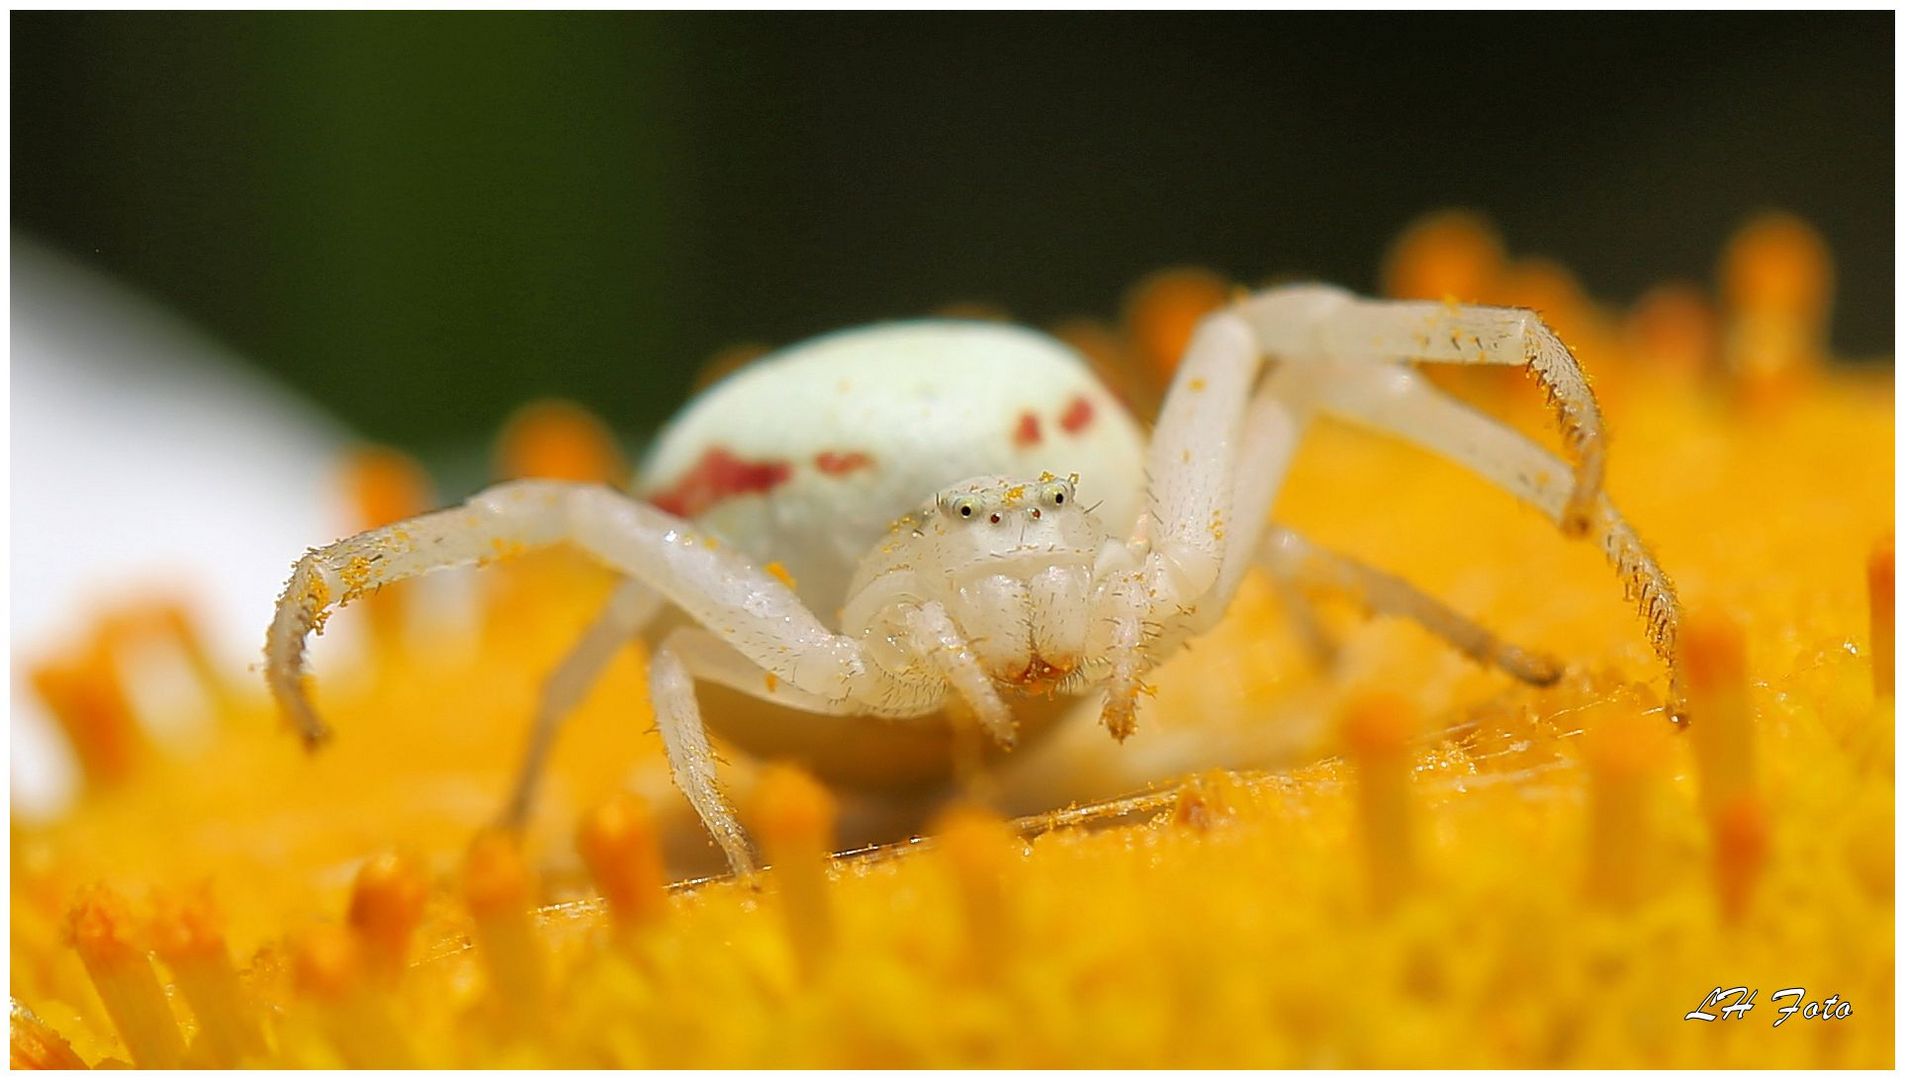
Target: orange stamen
{"x": 499, "y": 888}
{"x": 124, "y": 631}
{"x": 100, "y": 927}
{"x": 1451, "y": 255}
{"x": 978, "y": 847}
{"x": 1713, "y": 656}
{"x": 188, "y": 935}
{"x": 619, "y": 844}
{"x": 326, "y": 962}
{"x": 328, "y": 965}
{"x": 1778, "y": 264}
{"x": 1674, "y": 332}
{"x": 1776, "y": 279}
{"x": 1379, "y": 731}
{"x": 1162, "y": 310}
{"x": 793, "y": 818}
{"x": 1741, "y": 845}
{"x": 31, "y": 1044}
{"x": 387, "y": 904}
{"x": 182, "y": 630}
{"x": 386, "y": 486}
{"x": 89, "y": 702}
{"x": 1624, "y": 753}
{"x": 559, "y": 440}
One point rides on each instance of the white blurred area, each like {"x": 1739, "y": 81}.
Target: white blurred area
{"x": 147, "y": 462}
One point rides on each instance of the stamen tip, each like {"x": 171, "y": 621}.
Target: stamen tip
{"x": 496, "y": 877}
{"x": 791, "y": 810}
{"x": 1379, "y": 725}
{"x": 325, "y": 961}
{"x": 622, "y": 850}
{"x": 385, "y": 486}
{"x": 559, "y": 440}
{"x": 387, "y": 904}
{"x": 1163, "y": 309}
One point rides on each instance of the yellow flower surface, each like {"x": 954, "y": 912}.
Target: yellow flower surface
{"x": 1392, "y": 858}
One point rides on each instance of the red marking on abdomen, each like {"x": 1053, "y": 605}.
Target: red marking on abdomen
{"x": 1077, "y": 416}
{"x": 1026, "y": 435}
{"x": 834, "y": 463}
{"x": 717, "y": 477}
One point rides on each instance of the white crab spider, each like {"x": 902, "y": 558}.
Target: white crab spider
{"x": 812, "y": 578}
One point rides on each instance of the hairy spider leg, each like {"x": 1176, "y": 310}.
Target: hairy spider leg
{"x": 1315, "y": 323}
{"x": 1293, "y": 558}
{"x": 1216, "y": 465}
{"x": 1181, "y": 543}
{"x": 1393, "y": 399}
{"x": 690, "y": 653}
{"x": 628, "y": 609}
{"x": 748, "y": 608}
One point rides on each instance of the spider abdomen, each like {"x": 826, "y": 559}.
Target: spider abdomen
{"x": 807, "y": 457}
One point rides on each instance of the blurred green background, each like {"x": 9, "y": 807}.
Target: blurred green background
{"x": 422, "y": 221}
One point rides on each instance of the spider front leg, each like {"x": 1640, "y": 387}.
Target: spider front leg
{"x": 748, "y": 607}
{"x": 750, "y": 610}
{"x": 1177, "y": 556}
{"x": 690, "y": 654}
{"x": 1317, "y": 323}
{"x": 330, "y": 577}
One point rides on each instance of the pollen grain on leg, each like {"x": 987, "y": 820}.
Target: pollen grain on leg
{"x": 780, "y": 573}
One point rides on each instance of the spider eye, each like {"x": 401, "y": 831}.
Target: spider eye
{"x": 1057, "y": 492}
{"x": 995, "y": 519}
{"x": 964, "y": 506}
